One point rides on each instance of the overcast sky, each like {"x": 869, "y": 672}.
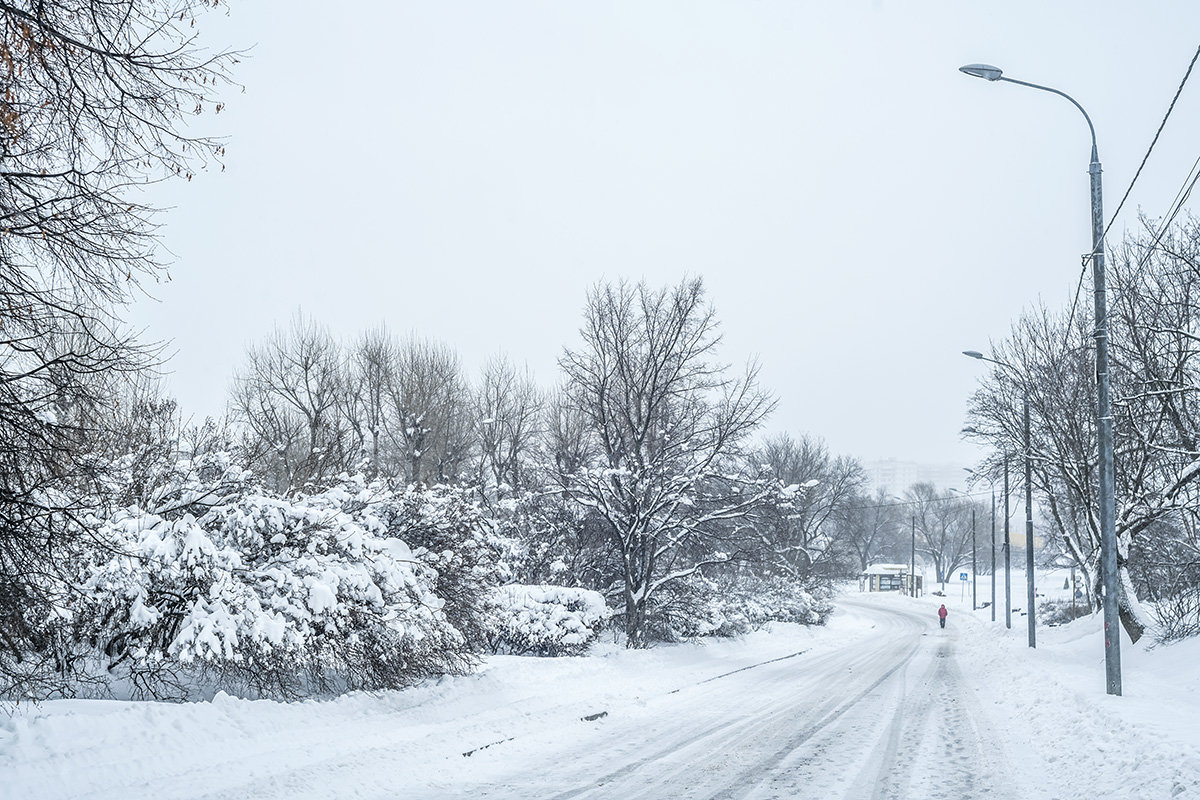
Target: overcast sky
{"x": 859, "y": 210}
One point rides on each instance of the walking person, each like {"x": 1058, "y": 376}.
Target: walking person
{"x": 942, "y": 612}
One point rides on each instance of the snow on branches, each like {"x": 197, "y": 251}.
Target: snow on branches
{"x": 277, "y": 596}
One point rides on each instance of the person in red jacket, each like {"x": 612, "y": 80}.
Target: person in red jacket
{"x": 942, "y": 612}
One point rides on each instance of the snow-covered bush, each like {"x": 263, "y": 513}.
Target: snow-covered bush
{"x": 1060, "y": 612}
{"x": 554, "y": 541}
{"x": 711, "y": 607}
{"x": 287, "y": 595}
{"x": 544, "y": 620}
{"x": 449, "y": 533}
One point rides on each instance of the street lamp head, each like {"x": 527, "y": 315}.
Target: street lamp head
{"x": 985, "y": 71}
{"x": 973, "y": 353}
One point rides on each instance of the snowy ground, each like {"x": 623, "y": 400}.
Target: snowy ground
{"x": 880, "y": 704}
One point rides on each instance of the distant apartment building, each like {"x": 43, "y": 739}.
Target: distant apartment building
{"x": 894, "y": 476}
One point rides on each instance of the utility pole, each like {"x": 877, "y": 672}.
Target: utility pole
{"x": 1007, "y": 554}
{"x": 974, "y": 569}
{"x": 993, "y": 551}
{"x": 1029, "y": 529}
{"x": 1104, "y": 425}
{"x": 1104, "y": 421}
{"x": 913, "y": 571}
{"x": 1072, "y": 591}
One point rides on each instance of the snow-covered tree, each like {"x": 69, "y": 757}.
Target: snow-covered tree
{"x": 667, "y": 423}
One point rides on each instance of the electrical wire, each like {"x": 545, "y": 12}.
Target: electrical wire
{"x": 1153, "y": 142}
{"x": 1145, "y": 158}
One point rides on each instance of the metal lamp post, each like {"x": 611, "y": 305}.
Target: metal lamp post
{"x": 1031, "y": 599}
{"x": 993, "y": 552}
{"x": 1104, "y": 425}
{"x": 974, "y": 568}
{"x": 975, "y": 476}
{"x": 1007, "y": 553}
{"x": 913, "y": 569}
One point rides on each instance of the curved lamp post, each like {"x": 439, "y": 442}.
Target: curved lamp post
{"x": 1031, "y": 598}
{"x": 1104, "y": 425}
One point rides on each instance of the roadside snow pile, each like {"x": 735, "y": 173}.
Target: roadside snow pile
{"x": 544, "y": 620}
{"x": 278, "y": 596}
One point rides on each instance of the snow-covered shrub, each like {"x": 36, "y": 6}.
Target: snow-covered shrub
{"x": 544, "y": 620}
{"x": 709, "y": 607}
{"x": 555, "y": 542}
{"x": 1060, "y": 612}
{"x": 287, "y": 595}
{"x": 449, "y": 534}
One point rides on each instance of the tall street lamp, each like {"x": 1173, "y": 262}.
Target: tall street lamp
{"x": 1108, "y": 526}
{"x": 913, "y": 569}
{"x": 1007, "y": 552}
{"x": 993, "y": 552}
{"x": 1031, "y": 598}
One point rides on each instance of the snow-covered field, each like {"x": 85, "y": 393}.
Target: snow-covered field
{"x": 881, "y": 703}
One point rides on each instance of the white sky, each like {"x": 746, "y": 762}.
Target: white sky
{"x": 860, "y": 211}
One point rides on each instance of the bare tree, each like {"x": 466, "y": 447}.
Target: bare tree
{"x": 91, "y": 108}
{"x": 427, "y": 401}
{"x": 667, "y": 420}
{"x": 870, "y": 526}
{"x": 568, "y": 442}
{"x": 1052, "y": 368}
{"x": 799, "y": 535}
{"x": 286, "y": 397}
{"x": 1154, "y": 313}
{"x": 370, "y": 373}
{"x": 509, "y": 414}
{"x": 943, "y": 527}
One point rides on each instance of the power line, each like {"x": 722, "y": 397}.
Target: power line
{"x": 1185, "y": 191}
{"x": 1153, "y": 142}
{"x": 1145, "y": 158}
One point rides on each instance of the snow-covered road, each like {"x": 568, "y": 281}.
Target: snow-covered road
{"x": 883, "y": 716}
{"x": 879, "y": 704}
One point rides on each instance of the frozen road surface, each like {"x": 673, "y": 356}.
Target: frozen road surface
{"x": 881, "y": 703}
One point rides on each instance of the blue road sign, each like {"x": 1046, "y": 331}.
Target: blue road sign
{"x": 962, "y": 576}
